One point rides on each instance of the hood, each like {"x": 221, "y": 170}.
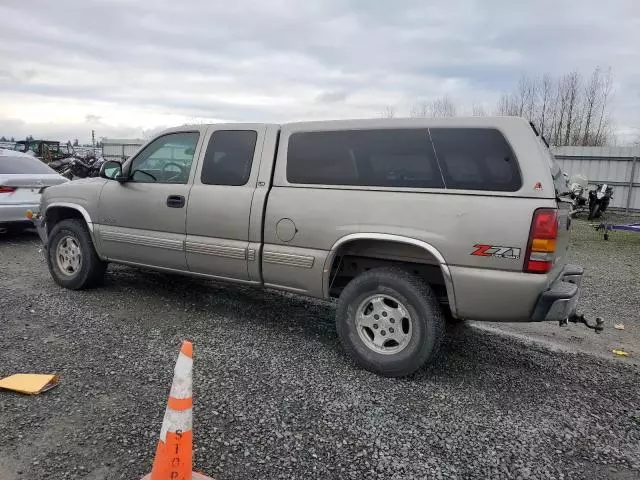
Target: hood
{"x": 85, "y": 188}
{"x": 89, "y": 180}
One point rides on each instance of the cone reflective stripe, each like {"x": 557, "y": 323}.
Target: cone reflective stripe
{"x": 174, "y": 453}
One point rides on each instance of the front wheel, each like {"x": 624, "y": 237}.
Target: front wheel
{"x": 72, "y": 259}
{"x": 389, "y": 321}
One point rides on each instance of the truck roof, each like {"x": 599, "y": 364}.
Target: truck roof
{"x": 407, "y": 122}
{"x": 493, "y": 121}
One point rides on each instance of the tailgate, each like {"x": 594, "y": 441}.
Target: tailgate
{"x": 564, "y": 224}
{"x": 563, "y": 202}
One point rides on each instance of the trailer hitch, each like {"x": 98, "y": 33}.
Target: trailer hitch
{"x": 575, "y": 318}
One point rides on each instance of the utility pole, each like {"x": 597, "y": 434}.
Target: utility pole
{"x": 93, "y": 138}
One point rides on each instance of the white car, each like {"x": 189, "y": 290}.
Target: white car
{"x": 22, "y": 179}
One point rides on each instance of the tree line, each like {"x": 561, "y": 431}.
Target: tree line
{"x": 570, "y": 109}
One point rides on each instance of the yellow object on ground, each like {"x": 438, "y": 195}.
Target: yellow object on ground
{"x": 31, "y": 383}
{"x": 619, "y": 326}
{"x": 622, "y": 353}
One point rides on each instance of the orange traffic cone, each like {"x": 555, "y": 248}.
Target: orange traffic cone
{"x": 174, "y": 454}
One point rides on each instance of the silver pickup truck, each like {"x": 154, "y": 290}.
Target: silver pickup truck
{"x": 406, "y": 221}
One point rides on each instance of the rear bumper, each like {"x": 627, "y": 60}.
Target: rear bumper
{"x": 16, "y": 212}
{"x": 559, "y": 302}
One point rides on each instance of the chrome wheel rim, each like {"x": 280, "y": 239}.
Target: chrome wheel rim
{"x": 384, "y": 324}
{"x": 69, "y": 256}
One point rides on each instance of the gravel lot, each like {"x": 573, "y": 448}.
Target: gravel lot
{"x": 611, "y": 289}
{"x": 276, "y": 398}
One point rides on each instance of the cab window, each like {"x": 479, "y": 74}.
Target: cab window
{"x": 229, "y": 157}
{"x": 167, "y": 159}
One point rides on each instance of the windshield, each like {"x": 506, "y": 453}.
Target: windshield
{"x": 23, "y": 165}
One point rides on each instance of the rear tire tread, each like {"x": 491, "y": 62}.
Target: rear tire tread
{"x": 395, "y": 278}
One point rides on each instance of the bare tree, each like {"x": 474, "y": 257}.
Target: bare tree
{"x": 566, "y": 110}
{"x": 590, "y": 100}
{"x": 546, "y": 109}
{"x": 388, "y": 112}
{"x": 508, "y": 105}
{"x": 420, "y": 109}
{"x": 571, "y": 83}
{"x": 440, "y": 107}
{"x": 443, "y": 107}
{"x": 525, "y": 99}
{"x": 478, "y": 110}
{"x": 603, "y": 132}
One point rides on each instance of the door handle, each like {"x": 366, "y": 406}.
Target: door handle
{"x": 175, "y": 201}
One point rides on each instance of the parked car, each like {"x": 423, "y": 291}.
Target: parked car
{"x": 405, "y": 221}
{"x": 22, "y": 178}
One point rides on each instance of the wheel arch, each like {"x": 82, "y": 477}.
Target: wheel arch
{"x": 421, "y": 245}
{"x": 58, "y": 211}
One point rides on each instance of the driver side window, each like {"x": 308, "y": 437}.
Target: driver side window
{"x": 167, "y": 159}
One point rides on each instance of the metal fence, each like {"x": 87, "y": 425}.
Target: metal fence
{"x": 615, "y": 166}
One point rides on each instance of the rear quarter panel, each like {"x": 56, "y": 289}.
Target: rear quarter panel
{"x": 453, "y": 222}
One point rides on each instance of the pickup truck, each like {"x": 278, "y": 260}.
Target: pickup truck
{"x": 405, "y": 221}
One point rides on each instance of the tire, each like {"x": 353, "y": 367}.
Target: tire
{"x": 424, "y": 317}
{"x": 85, "y": 272}
{"x": 594, "y": 212}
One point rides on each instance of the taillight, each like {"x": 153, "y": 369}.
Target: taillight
{"x": 4, "y": 189}
{"x": 542, "y": 241}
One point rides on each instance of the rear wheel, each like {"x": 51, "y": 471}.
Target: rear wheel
{"x": 72, "y": 259}
{"x": 389, "y": 321}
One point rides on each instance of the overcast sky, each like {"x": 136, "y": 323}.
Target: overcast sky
{"x": 125, "y": 68}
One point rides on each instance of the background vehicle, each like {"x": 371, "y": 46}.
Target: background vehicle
{"x": 599, "y": 200}
{"x": 22, "y": 178}
{"x": 578, "y": 185}
{"x": 404, "y": 220}
{"x": 82, "y": 167}
{"x": 46, "y": 150}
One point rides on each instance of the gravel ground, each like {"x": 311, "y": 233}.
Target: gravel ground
{"x": 276, "y": 398}
{"x": 610, "y": 289}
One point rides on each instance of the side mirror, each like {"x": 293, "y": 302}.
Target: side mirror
{"x": 111, "y": 170}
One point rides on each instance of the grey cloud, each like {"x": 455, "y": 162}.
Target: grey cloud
{"x": 331, "y": 97}
{"x": 360, "y": 54}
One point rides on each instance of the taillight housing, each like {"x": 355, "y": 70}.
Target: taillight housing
{"x": 542, "y": 241}
{"x": 4, "y": 189}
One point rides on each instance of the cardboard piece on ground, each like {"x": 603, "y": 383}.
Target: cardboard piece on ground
{"x": 30, "y": 383}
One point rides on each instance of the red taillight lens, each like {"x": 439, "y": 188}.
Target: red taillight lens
{"x": 545, "y": 224}
{"x": 4, "y": 189}
{"x": 542, "y": 241}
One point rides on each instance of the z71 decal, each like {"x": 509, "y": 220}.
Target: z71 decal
{"x": 496, "y": 251}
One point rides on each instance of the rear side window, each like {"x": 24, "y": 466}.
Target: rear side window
{"x": 476, "y": 159}
{"x": 229, "y": 157}
{"x": 23, "y": 165}
{"x": 383, "y": 157}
